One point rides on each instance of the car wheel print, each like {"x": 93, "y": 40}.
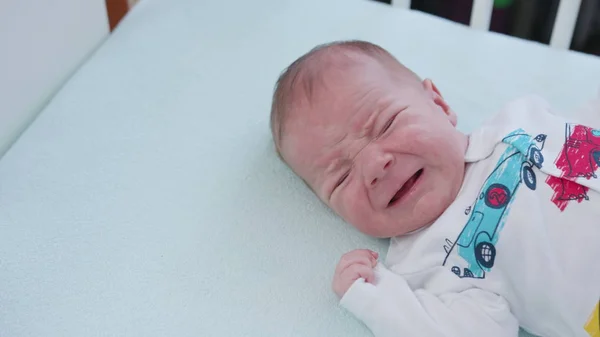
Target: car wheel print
{"x": 497, "y": 196}
{"x": 536, "y": 157}
{"x": 485, "y": 253}
{"x": 528, "y": 177}
{"x": 596, "y": 156}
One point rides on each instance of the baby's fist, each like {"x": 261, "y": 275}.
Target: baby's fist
{"x": 352, "y": 266}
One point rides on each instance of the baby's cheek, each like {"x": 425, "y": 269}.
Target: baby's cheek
{"x": 341, "y": 205}
{"x": 418, "y": 139}
{"x": 354, "y": 208}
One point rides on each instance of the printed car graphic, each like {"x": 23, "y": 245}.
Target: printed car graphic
{"x": 476, "y": 243}
{"x": 580, "y": 157}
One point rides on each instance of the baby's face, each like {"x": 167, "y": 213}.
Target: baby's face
{"x": 385, "y": 156}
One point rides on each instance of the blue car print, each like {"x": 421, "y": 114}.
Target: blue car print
{"x": 476, "y": 243}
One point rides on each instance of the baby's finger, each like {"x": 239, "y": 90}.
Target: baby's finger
{"x": 374, "y": 254}
{"x": 349, "y": 260}
{"x": 361, "y": 254}
{"x": 371, "y": 256}
{"x": 365, "y": 272}
{"x": 354, "y": 257}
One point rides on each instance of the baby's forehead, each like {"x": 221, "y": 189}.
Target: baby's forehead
{"x": 332, "y": 79}
{"x": 335, "y": 97}
{"x": 324, "y": 74}
{"x": 317, "y": 131}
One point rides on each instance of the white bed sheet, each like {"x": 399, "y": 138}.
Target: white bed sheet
{"x": 146, "y": 199}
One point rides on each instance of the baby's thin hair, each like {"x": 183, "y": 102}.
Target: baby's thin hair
{"x": 297, "y": 82}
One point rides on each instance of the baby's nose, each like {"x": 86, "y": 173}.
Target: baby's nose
{"x": 377, "y": 168}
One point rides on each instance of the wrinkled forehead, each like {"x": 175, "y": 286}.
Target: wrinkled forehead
{"x": 333, "y": 95}
{"x": 310, "y": 140}
{"x": 314, "y": 136}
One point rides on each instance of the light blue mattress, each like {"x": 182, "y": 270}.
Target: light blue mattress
{"x": 146, "y": 199}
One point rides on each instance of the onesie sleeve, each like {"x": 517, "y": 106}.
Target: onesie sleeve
{"x": 589, "y": 113}
{"x": 390, "y": 308}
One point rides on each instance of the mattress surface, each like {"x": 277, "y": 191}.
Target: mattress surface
{"x": 146, "y": 199}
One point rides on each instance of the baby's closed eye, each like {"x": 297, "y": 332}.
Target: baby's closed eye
{"x": 341, "y": 180}
{"x": 387, "y": 125}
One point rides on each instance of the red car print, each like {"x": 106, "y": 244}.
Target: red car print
{"x": 579, "y": 158}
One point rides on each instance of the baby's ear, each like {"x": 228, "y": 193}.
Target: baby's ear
{"x": 437, "y": 98}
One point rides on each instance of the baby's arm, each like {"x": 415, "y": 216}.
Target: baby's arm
{"x": 389, "y": 307}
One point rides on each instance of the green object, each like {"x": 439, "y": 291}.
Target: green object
{"x": 503, "y": 3}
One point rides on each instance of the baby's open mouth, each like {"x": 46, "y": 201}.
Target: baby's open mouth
{"x": 405, "y": 188}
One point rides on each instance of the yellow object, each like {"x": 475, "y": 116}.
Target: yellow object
{"x": 593, "y": 324}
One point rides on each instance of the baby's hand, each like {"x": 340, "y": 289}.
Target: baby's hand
{"x": 352, "y": 266}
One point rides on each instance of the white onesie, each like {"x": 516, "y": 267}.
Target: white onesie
{"x": 520, "y": 245}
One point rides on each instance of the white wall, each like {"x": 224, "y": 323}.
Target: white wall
{"x": 41, "y": 44}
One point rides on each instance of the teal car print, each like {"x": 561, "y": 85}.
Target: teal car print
{"x": 476, "y": 244}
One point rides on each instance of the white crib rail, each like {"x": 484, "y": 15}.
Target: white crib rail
{"x": 564, "y": 24}
{"x": 481, "y": 14}
{"x": 401, "y": 3}
{"x": 562, "y": 32}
